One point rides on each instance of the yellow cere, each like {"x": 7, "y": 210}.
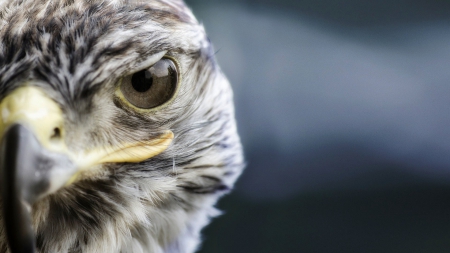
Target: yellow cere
{"x": 31, "y": 107}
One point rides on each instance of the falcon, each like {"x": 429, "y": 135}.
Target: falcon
{"x": 117, "y": 127}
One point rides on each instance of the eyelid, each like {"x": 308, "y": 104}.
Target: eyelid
{"x": 149, "y": 61}
{"x": 120, "y": 98}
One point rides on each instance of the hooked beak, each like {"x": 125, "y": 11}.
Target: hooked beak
{"x": 35, "y": 161}
{"x": 26, "y": 173}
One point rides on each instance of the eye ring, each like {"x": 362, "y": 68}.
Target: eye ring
{"x": 151, "y": 88}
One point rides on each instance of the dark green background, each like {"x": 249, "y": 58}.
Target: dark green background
{"x": 333, "y": 167}
{"x": 404, "y": 220}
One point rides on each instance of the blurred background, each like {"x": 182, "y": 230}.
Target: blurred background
{"x": 343, "y": 107}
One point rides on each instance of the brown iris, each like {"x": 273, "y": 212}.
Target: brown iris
{"x": 151, "y": 87}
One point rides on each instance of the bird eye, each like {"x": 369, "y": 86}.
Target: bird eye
{"x": 151, "y": 87}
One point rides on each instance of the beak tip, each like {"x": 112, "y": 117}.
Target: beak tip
{"x": 26, "y": 174}
{"x": 15, "y": 212}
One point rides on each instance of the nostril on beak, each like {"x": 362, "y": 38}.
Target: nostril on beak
{"x": 56, "y": 134}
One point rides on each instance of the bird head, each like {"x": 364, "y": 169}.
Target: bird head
{"x": 117, "y": 127}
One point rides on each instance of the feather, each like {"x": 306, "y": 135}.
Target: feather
{"x": 77, "y": 51}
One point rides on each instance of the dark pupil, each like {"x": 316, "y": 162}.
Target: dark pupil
{"x": 142, "y": 81}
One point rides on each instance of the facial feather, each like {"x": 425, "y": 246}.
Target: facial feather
{"x": 77, "y": 52}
